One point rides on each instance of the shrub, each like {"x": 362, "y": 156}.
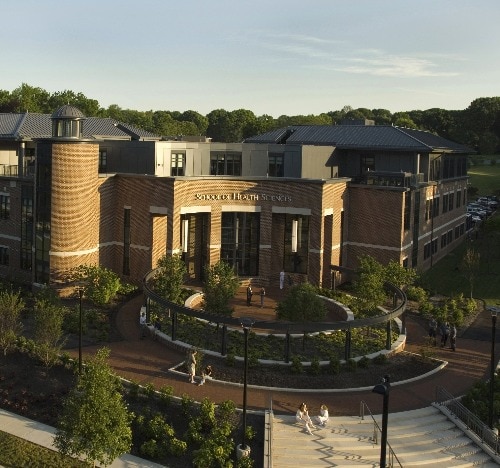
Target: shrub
{"x": 230, "y": 360}
{"x": 364, "y": 362}
{"x": 314, "y": 368}
{"x": 296, "y": 366}
{"x": 334, "y": 366}
{"x": 380, "y": 359}
{"x": 416, "y": 293}
{"x": 166, "y": 392}
{"x": 351, "y": 365}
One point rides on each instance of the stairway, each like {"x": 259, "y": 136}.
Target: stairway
{"x": 419, "y": 438}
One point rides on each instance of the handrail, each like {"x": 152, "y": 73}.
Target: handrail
{"x": 268, "y": 452}
{"x": 376, "y": 430}
{"x": 277, "y": 326}
{"x": 486, "y": 435}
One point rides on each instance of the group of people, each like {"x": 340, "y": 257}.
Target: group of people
{"x": 191, "y": 368}
{"x": 302, "y": 417}
{"x": 262, "y": 294}
{"x": 446, "y": 331}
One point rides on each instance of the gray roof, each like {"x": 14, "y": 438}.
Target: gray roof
{"x": 68, "y": 112}
{"x": 30, "y": 126}
{"x": 369, "y": 137}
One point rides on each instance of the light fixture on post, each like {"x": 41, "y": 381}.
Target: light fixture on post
{"x": 185, "y": 235}
{"x": 295, "y": 227}
{"x": 494, "y": 312}
{"x": 384, "y": 389}
{"x": 80, "y": 329}
{"x": 243, "y": 450}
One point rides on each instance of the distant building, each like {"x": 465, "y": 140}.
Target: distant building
{"x": 300, "y": 199}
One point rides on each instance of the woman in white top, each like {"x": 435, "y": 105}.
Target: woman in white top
{"x": 323, "y": 415}
{"x": 302, "y": 416}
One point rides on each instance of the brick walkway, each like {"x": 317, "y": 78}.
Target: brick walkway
{"x": 148, "y": 361}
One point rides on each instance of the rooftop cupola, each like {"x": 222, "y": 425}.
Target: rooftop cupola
{"x": 67, "y": 122}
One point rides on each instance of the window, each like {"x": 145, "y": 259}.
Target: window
{"x": 427, "y": 250}
{"x": 445, "y": 202}
{"x": 178, "y": 161}
{"x": 407, "y": 211}
{"x": 4, "y": 206}
{"x": 26, "y": 226}
{"x": 296, "y": 238}
{"x": 225, "y": 163}
{"x": 451, "y": 201}
{"x": 103, "y": 160}
{"x": 459, "y": 199}
{"x": 435, "y": 207}
{"x": 240, "y": 241}
{"x": 276, "y": 168}
{"x": 367, "y": 163}
{"x": 126, "y": 241}
{"x": 4, "y": 255}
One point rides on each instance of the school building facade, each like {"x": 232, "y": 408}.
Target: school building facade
{"x": 300, "y": 199}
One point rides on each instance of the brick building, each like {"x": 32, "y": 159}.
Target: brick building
{"x": 299, "y": 199}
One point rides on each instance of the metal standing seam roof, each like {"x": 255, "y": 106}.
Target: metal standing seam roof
{"x": 30, "y": 126}
{"x": 359, "y": 136}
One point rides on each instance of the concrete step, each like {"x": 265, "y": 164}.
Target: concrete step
{"x": 422, "y": 438}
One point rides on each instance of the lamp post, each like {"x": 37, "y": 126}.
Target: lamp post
{"x": 244, "y": 450}
{"x": 80, "y": 331}
{"x": 384, "y": 389}
{"x": 494, "y": 312}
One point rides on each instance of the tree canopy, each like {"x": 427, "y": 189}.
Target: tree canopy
{"x": 477, "y": 126}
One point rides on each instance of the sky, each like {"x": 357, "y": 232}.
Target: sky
{"x": 272, "y": 57}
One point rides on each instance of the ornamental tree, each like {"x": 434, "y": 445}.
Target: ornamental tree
{"x": 221, "y": 284}
{"x": 95, "y": 422}
{"x": 170, "y": 278}
{"x": 302, "y": 304}
{"x": 11, "y": 305}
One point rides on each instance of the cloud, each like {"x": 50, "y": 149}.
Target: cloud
{"x": 326, "y": 54}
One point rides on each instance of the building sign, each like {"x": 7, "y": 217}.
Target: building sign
{"x": 237, "y": 196}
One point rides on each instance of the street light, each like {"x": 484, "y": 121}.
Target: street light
{"x": 384, "y": 389}
{"x": 246, "y": 323}
{"x": 494, "y": 311}
{"x": 80, "y": 328}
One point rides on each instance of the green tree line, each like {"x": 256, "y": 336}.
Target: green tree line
{"x": 477, "y": 126}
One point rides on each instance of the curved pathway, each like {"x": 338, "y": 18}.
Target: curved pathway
{"x": 147, "y": 361}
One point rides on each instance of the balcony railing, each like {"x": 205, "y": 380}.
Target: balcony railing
{"x": 7, "y": 170}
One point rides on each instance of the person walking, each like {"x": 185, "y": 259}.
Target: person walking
{"x": 191, "y": 365}
{"x": 262, "y": 295}
{"x": 445, "y": 334}
{"x": 302, "y": 417}
{"x": 432, "y": 331}
{"x": 282, "y": 279}
{"x": 143, "y": 324}
{"x": 453, "y": 337}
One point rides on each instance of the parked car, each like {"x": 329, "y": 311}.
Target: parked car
{"x": 479, "y": 208}
{"x": 487, "y": 201}
{"x": 473, "y": 211}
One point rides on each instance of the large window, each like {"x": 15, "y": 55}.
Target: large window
{"x": 177, "y": 164}
{"x": 276, "y": 168}
{"x": 26, "y": 226}
{"x": 103, "y": 160}
{"x": 4, "y": 206}
{"x": 407, "y": 211}
{"x": 225, "y": 163}
{"x": 240, "y": 241}
{"x": 296, "y": 243}
{"x": 367, "y": 163}
{"x": 4, "y": 255}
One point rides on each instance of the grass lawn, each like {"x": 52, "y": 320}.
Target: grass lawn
{"x": 485, "y": 178}
{"x": 19, "y": 452}
{"x": 448, "y": 276}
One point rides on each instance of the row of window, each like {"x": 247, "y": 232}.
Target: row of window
{"x": 450, "y": 201}
{"x": 430, "y": 248}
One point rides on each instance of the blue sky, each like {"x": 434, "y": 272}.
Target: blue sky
{"x": 272, "y": 57}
